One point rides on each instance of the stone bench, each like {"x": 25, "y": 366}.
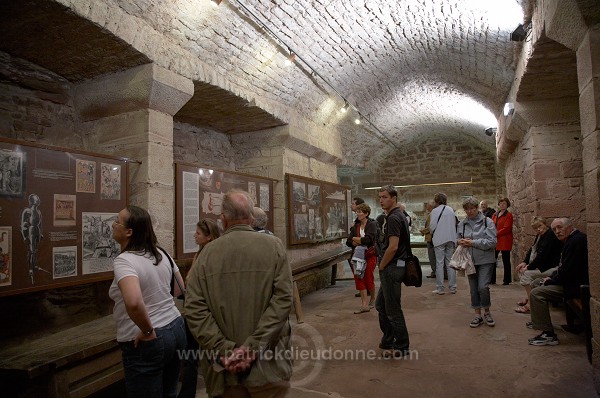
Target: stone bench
{"x": 75, "y": 362}
{"x": 318, "y": 262}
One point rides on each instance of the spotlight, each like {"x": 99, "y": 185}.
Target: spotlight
{"x": 519, "y": 34}
{"x": 345, "y": 107}
{"x": 509, "y": 108}
{"x": 215, "y": 3}
{"x": 290, "y": 60}
{"x": 490, "y": 131}
{"x": 357, "y": 120}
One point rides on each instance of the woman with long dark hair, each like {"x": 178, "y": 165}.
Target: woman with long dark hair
{"x": 150, "y": 329}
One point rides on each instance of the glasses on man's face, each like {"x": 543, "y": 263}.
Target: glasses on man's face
{"x": 118, "y": 223}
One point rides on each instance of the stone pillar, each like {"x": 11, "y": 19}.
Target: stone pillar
{"x": 130, "y": 114}
{"x": 588, "y": 74}
{"x": 290, "y": 149}
{"x": 544, "y": 173}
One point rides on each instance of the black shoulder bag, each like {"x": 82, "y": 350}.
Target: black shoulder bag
{"x": 173, "y": 279}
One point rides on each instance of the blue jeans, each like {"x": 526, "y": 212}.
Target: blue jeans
{"x": 479, "y": 285}
{"x": 443, "y": 254}
{"x": 152, "y": 369}
{"x": 189, "y": 368}
{"x": 389, "y": 306}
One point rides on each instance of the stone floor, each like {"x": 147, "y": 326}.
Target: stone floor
{"x": 450, "y": 359}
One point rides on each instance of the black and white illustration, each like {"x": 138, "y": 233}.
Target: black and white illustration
{"x": 110, "y": 181}
{"x": 314, "y": 195}
{"x": 336, "y": 218}
{"x": 299, "y": 192}
{"x": 300, "y": 226}
{"x": 252, "y": 192}
{"x": 264, "y": 197}
{"x": 64, "y": 261}
{"x": 12, "y": 173}
{"x": 98, "y": 246}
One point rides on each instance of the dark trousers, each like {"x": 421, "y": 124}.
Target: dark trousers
{"x": 507, "y": 267}
{"x": 189, "y": 367}
{"x": 389, "y": 306}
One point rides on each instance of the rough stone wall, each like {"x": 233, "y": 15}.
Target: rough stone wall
{"x": 437, "y": 160}
{"x": 36, "y": 105}
{"x": 202, "y": 146}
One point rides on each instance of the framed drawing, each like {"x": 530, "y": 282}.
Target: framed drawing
{"x": 317, "y": 211}
{"x": 199, "y": 193}
{"x": 47, "y": 237}
{"x": 335, "y": 214}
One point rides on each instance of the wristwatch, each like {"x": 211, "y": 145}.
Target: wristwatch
{"x": 149, "y": 332}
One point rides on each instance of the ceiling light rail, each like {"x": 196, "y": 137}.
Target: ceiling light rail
{"x": 294, "y": 58}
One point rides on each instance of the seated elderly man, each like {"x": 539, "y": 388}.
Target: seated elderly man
{"x": 564, "y": 283}
{"x": 540, "y": 261}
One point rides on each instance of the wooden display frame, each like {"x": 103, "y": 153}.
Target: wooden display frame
{"x": 317, "y": 210}
{"x": 198, "y": 194}
{"x": 57, "y": 206}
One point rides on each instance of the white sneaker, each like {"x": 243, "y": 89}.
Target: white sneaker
{"x": 440, "y": 292}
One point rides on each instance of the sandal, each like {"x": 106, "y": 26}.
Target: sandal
{"x": 523, "y": 302}
{"x": 524, "y": 309}
{"x": 361, "y": 310}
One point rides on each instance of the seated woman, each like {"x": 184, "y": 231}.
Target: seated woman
{"x": 363, "y": 232}
{"x": 540, "y": 261}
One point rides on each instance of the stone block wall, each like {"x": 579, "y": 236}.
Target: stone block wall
{"x": 437, "y": 160}
{"x": 544, "y": 177}
{"x": 37, "y": 105}
{"x": 202, "y": 146}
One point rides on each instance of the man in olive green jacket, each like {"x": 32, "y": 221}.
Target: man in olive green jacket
{"x": 238, "y": 300}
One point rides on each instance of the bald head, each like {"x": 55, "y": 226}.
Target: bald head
{"x": 562, "y": 228}
{"x": 237, "y": 207}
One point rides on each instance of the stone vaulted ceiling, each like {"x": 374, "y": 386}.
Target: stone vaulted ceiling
{"x": 415, "y": 68}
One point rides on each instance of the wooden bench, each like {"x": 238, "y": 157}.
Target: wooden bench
{"x": 580, "y": 308}
{"x": 71, "y": 363}
{"x": 318, "y": 262}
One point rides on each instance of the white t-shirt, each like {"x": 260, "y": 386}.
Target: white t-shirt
{"x": 155, "y": 283}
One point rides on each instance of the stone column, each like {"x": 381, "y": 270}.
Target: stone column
{"x": 130, "y": 114}
{"x": 588, "y": 74}
{"x": 544, "y": 174}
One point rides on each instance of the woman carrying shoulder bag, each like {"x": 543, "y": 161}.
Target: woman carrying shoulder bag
{"x": 150, "y": 329}
{"x": 363, "y": 233}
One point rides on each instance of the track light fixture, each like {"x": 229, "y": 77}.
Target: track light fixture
{"x": 357, "y": 120}
{"x": 345, "y": 107}
{"x": 215, "y": 3}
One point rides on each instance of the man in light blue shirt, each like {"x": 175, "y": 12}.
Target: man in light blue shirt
{"x": 443, "y": 237}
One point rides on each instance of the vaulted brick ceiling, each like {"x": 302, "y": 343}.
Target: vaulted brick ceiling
{"x": 415, "y": 68}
